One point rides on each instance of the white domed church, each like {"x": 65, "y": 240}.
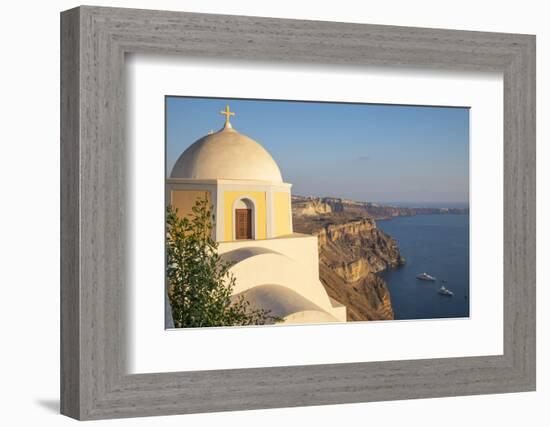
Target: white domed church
{"x": 275, "y": 268}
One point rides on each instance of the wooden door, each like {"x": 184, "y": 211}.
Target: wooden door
{"x": 243, "y": 224}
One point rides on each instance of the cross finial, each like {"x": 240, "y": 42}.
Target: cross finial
{"x": 227, "y": 113}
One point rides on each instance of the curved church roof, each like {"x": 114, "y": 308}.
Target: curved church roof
{"x": 285, "y": 303}
{"x": 227, "y": 154}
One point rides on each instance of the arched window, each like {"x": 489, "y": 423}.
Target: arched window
{"x": 244, "y": 219}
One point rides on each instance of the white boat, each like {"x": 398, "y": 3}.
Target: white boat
{"x": 444, "y": 291}
{"x": 426, "y": 276}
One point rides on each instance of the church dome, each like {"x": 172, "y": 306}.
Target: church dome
{"x": 227, "y": 154}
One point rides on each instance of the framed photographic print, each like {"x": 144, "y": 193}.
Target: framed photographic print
{"x": 270, "y": 267}
{"x": 292, "y": 213}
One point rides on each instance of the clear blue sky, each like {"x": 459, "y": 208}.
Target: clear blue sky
{"x": 368, "y": 152}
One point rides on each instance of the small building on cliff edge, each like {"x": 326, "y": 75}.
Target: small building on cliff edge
{"x": 275, "y": 268}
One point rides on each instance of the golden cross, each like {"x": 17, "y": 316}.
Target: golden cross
{"x": 227, "y": 113}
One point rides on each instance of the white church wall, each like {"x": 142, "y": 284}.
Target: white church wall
{"x": 292, "y": 262}
{"x": 286, "y": 304}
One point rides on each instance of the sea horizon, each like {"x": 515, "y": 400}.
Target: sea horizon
{"x": 457, "y": 205}
{"x": 400, "y": 204}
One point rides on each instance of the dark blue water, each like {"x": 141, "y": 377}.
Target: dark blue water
{"x": 439, "y": 246}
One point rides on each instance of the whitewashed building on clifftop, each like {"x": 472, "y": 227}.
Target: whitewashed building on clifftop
{"x": 275, "y": 268}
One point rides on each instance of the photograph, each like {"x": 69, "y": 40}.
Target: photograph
{"x": 302, "y": 212}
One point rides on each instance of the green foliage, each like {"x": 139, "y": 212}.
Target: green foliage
{"x": 200, "y": 284}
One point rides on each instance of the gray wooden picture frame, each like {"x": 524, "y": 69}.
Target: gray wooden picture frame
{"x": 94, "y": 41}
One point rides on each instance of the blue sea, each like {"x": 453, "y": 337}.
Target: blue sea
{"x": 439, "y": 246}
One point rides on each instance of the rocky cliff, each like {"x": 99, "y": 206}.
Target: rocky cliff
{"x": 352, "y": 249}
{"x": 357, "y": 248}
{"x": 364, "y": 209}
{"x": 351, "y": 252}
{"x": 310, "y": 207}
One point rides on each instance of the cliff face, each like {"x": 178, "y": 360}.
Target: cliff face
{"x": 367, "y": 209}
{"x": 311, "y": 207}
{"x": 356, "y": 248}
{"x": 351, "y": 251}
{"x": 365, "y": 299}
